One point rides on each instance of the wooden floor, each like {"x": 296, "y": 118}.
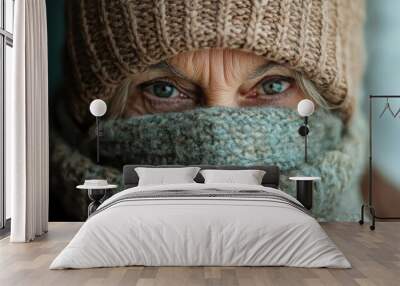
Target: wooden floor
{"x": 375, "y": 257}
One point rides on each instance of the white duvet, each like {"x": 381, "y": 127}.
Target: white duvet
{"x": 200, "y": 231}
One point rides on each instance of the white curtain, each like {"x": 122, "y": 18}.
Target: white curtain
{"x": 27, "y": 124}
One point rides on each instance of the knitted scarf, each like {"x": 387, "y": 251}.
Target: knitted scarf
{"x": 243, "y": 136}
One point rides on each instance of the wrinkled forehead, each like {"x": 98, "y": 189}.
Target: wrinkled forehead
{"x": 216, "y": 64}
{"x": 210, "y": 66}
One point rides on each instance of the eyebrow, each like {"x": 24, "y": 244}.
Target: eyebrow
{"x": 261, "y": 70}
{"x": 163, "y": 65}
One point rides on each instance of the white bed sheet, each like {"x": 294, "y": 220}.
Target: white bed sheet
{"x": 202, "y": 232}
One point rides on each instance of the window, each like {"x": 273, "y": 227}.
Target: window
{"x": 6, "y": 66}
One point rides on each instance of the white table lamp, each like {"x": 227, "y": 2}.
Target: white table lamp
{"x": 305, "y": 108}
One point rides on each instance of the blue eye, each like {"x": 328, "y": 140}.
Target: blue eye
{"x": 275, "y": 86}
{"x": 162, "y": 89}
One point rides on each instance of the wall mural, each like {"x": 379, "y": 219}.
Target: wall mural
{"x": 180, "y": 92}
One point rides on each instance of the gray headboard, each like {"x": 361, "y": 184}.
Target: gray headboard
{"x": 271, "y": 177}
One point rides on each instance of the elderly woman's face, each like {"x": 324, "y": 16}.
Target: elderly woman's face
{"x": 209, "y": 78}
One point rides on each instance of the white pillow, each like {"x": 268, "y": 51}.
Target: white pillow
{"x": 248, "y": 177}
{"x": 165, "y": 176}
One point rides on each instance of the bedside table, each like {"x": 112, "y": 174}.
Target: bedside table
{"x": 96, "y": 194}
{"x": 304, "y": 190}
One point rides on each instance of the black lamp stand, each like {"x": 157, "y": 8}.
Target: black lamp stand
{"x": 98, "y": 134}
{"x": 303, "y": 131}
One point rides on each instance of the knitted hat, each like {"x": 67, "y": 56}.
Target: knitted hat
{"x": 111, "y": 40}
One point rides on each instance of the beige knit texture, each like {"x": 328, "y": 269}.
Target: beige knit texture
{"x": 113, "y": 39}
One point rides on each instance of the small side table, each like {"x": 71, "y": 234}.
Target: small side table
{"x": 304, "y": 190}
{"x": 96, "y": 194}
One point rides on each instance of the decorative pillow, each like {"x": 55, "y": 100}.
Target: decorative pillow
{"x": 248, "y": 177}
{"x": 165, "y": 176}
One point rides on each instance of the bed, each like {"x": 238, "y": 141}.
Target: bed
{"x": 198, "y": 224}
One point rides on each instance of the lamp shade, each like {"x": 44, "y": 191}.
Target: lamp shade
{"x": 305, "y": 107}
{"x": 98, "y": 107}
